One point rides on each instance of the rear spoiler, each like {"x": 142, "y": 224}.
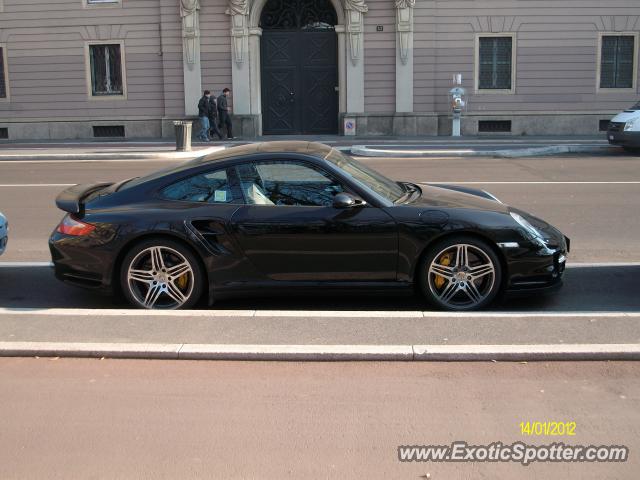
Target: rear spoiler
{"x": 70, "y": 200}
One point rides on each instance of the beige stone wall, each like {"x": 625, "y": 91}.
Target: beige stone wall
{"x": 556, "y": 56}
{"x": 46, "y": 54}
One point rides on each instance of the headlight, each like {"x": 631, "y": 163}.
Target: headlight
{"x": 629, "y": 125}
{"x": 533, "y": 231}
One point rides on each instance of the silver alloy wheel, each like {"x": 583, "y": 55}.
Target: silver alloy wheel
{"x": 160, "y": 277}
{"x": 465, "y": 279}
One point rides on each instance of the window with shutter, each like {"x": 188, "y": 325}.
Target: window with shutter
{"x": 3, "y": 79}
{"x": 495, "y": 58}
{"x": 106, "y": 70}
{"x": 617, "y": 57}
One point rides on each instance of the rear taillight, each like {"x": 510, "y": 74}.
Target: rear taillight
{"x": 72, "y": 226}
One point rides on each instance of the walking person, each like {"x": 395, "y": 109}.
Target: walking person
{"x": 213, "y": 118}
{"x": 204, "y": 107}
{"x": 224, "y": 113}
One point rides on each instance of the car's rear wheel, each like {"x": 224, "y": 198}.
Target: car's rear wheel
{"x": 461, "y": 273}
{"x": 161, "y": 274}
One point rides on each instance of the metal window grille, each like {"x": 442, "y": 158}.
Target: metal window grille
{"x": 106, "y": 70}
{"x": 3, "y": 81}
{"x": 616, "y": 61}
{"x": 108, "y": 130}
{"x": 494, "y": 126}
{"x": 495, "y": 63}
{"x": 604, "y": 125}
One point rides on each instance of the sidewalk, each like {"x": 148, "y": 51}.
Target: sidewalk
{"x": 87, "y": 151}
{"x": 161, "y": 149}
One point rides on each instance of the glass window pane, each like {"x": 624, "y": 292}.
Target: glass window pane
{"x": 495, "y": 55}
{"x": 106, "y": 69}
{"x": 212, "y": 187}
{"x": 617, "y": 58}
{"x": 287, "y": 183}
{"x": 3, "y": 81}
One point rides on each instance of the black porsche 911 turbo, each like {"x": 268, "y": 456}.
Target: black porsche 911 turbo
{"x": 297, "y": 217}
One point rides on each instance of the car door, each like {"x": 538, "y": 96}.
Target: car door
{"x": 290, "y": 230}
{"x": 206, "y": 201}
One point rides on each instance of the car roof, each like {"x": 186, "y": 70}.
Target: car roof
{"x": 315, "y": 149}
{"x": 288, "y": 146}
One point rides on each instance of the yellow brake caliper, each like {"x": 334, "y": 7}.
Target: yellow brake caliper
{"x": 445, "y": 261}
{"x": 182, "y": 281}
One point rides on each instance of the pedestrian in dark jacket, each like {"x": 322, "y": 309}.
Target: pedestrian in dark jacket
{"x": 204, "y": 110}
{"x": 224, "y": 113}
{"x": 213, "y": 118}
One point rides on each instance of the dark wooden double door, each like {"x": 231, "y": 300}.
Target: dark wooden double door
{"x": 299, "y": 82}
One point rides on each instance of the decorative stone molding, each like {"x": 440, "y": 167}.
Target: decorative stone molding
{"x": 190, "y": 27}
{"x": 239, "y": 12}
{"x": 355, "y": 10}
{"x": 191, "y": 70}
{"x": 404, "y": 57}
{"x": 404, "y": 27}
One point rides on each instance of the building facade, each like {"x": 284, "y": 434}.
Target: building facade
{"x": 91, "y": 68}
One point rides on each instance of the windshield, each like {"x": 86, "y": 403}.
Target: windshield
{"x": 377, "y": 182}
{"x": 636, "y": 106}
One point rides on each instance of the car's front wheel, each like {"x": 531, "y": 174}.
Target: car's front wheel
{"x": 161, "y": 274}
{"x": 461, "y": 273}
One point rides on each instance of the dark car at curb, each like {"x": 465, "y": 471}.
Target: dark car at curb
{"x": 298, "y": 217}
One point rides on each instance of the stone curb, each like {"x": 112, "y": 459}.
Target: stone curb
{"x": 160, "y": 155}
{"x": 178, "y": 351}
{"x": 377, "y": 151}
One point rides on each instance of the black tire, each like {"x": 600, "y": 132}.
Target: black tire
{"x": 168, "y": 290}
{"x": 632, "y": 150}
{"x": 475, "y": 280}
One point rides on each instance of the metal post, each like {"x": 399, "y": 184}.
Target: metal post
{"x": 456, "y": 124}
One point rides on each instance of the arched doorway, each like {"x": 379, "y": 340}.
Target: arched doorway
{"x": 299, "y": 67}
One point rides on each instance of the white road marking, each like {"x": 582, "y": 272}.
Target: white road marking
{"x": 130, "y": 312}
{"x": 626, "y": 182}
{"x": 28, "y": 185}
{"x": 569, "y": 265}
{"x": 536, "y": 183}
{"x": 25, "y": 264}
{"x": 603, "y": 264}
{"x": 139, "y": 160}
{"x": 176, "y": 351}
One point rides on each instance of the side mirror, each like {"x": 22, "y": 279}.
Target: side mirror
{"x": 346, "y": 200}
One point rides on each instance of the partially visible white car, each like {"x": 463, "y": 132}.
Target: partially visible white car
{"x": 624, "y": 129}
{"x": 4, "y": 233}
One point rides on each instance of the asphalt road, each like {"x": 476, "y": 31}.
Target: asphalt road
{"x": 591, "y": 199}
{"x": 66, "y": 419}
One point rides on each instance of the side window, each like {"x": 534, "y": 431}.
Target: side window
{"x": 3, "y": 73}
{"x": 495, "y": 58}
{"x": 287, "y": 183}
{"x": 210, "y": 187}
{"x": 617, "y": 61}
{"x": 106, "y": 68}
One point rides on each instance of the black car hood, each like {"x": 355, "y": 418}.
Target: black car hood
{"x": 442, "y": 197}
